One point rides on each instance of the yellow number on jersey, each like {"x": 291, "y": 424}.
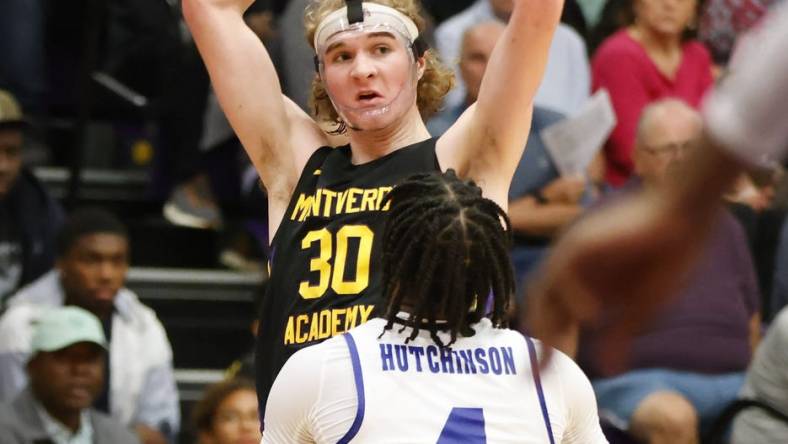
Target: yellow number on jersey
{"x": 321, "y": 263}
{"x": 338, "y": 283}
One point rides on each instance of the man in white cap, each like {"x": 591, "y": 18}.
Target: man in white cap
{"x": 66, "y": 372}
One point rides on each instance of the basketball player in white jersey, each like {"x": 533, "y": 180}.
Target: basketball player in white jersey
{"x": 630, "y": 257}
{"x": 439, "y": 366}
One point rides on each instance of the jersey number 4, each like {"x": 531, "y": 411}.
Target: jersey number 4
{"x": 464, "y": 426}
{"x": 335, "y": 275}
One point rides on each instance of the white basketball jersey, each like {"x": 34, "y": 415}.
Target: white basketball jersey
{"x": 483, "y": 389}
{"x": 364, "y": 387}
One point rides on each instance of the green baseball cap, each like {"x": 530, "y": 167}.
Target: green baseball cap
{"x": 10, "y": 112}
{"x": 65, "y": 326}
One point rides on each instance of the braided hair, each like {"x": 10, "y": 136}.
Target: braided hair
{"x": 445, "y": 251}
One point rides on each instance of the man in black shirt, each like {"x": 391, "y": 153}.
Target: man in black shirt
{"x": 29, "y": 217}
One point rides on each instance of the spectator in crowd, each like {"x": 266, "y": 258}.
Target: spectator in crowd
{"x": 647, "y": 60}
{"x": 227, "y": 414}
{"x": 688, "y": 364}
{"x": 566, "y": 81}
{"x": 541, "y": 202}
{"x": 66, "y": 374}
{"x": 29, "y": 217}
{"x": 22, "y": 52}
{"x": 92, "y": 263}
{"x": 722, "y": 21}
{"x": 767, "y": 382}
{"x": 298, "y": 65}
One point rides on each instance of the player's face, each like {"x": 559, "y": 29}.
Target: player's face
{"x": 236, "y": 420}
{"x": 94, "y": 269}
{"x": 10, "y": 159}
{"x": 371, "y": 78}
{"x": 668, "y": 17}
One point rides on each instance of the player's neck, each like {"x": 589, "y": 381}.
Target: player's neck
{"x": 373, "y": 144}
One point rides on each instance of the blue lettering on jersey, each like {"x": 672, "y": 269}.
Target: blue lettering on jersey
{"x": 495, "y": 360}
{"x": 402, "y": 357}
{"x": 432, "y": 352}
{"x": 508, "y": 360}
{"x": 481, "y": 357}
{"x": 387, "y": 357}
{"x": 447, "y": 361}
{"x": 405, "y": 358}
{"x": 417, "y": 353}
{"x": 467, "y": 358}
{"x": 464, "y": 426}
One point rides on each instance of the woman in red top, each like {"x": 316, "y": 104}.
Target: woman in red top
{"x": 645, "y": 61}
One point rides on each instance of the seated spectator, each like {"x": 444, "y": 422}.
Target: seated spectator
{"x": 541, "y": 202}
{"x": 688, "y": 364}
{"x": 227, "y": 414}
{"x": 29, "y": 217}
{"x": 645, "y": 61}
{"x": 566, "y": 82}
{"x": 92, "y": 263}
{"x": 767, "y": 382}
{"x": 66, "y": 372}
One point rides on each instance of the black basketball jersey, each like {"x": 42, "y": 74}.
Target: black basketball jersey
{"x": 326, "y": 254}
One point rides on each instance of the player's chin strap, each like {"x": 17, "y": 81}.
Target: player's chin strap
{"x": 355, "y": 14}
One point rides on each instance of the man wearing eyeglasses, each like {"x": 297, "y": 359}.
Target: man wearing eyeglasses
{"x": 687, "y": 365}
{"x": 667, "y": 130}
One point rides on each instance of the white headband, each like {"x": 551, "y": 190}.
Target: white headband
{"x": 374, "y": 14}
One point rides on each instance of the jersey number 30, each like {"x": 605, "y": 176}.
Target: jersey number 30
{"x": 335, "y": 275}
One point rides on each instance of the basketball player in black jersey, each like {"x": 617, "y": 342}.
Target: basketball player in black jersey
{"x": 376, "y": 82}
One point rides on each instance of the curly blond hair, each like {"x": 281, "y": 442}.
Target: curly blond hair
{"x": 434, "y": 84}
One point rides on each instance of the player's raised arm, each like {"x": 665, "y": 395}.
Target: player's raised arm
{"x": 486, "y": 143}
{"x": 277, "y": 135}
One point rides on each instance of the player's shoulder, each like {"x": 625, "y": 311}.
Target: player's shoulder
{"x": 317, "y": 356}
{"x": 559, "y": 361}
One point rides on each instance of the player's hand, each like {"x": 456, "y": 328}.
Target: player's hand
{"x": 623, "y": 262}
{"x": 567, "y": 190}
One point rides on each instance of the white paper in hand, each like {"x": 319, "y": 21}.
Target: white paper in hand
{"x": 573, "y": 142}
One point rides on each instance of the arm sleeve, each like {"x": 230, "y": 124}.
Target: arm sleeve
{"x": 745, "y": 115}
{"x": 583, "y": 419}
